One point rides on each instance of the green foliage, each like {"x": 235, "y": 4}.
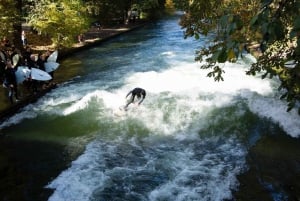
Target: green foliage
{"x": 64, "y": 20}
{"x": 9, "y": 17}
{"x": 170, "y": 7}
{"x": 152, "y": 9}
{"x": 116, "y": 11}
{"x": 61, "y": 20}
{"x": 274, "y": 24}
{"x": 108, "y": 11}
{"x": 181, "y": 4}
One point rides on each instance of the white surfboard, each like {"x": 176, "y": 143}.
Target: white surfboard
{"x": 22, "y": 74}
{"x": 120, "y": 111}
{"x": 15, "y": 59}
{"x": 51, "y": 66}
{"x": 37, "y": 74}
{"x": 3, "y": 58}
{"x": 290, "y": 64}
{"x": 53, "y": 56}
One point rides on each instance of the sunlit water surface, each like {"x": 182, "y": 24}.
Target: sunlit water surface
{"x": 187, "y": 141}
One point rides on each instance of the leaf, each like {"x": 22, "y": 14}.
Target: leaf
{"x": 224, "y": 20}
{"x": 297, "y": 23}
{"x": 278, "y": 29}
{"x": 238, "y": 22}
{"x": 215, "y": 56}
{"x": 291, "y": 105}
{"x": 283, "y": 96}
{"x": 264, "y": 75}
{"x": 231, "y": 55}
{"x": 222, "y": 58}
{"x": 296, "y": 28}
{"x": 267, "y": 2}
{"x": 253, "y": 20}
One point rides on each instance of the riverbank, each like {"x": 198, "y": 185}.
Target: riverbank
{"x": 92, "y": 38}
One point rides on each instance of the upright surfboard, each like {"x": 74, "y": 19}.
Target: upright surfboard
{"x": 37, "y": 74}
{"x": 22, "y": 74}
{"x": 15, "y": 59}
{"x": 2, "y": 56}
{"x": 53, "y": 56}
{"x": 51, "y": 66}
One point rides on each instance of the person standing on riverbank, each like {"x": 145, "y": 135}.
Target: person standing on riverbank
{"x": 24, "y": 38}
{"x": 10, "y": 81}
{"x": 2, "y": 65}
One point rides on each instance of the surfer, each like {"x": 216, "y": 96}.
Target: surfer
{"x": 139, "y": 92}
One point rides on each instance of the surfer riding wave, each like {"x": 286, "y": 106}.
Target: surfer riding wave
{"x": 139, "y": 92}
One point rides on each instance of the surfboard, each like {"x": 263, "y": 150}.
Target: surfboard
{"x": 51, "y": 66}
{"x": 37, "y": 74}
{"x": 53, "y": 56}
{"x": 120, "y": 111}
{"x": 3, "y": 58}
{"x": 290, "y": 64}
{"x": 15, "y": 59}
{"x": 22, "y": 74}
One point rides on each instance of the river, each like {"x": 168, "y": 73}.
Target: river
{"x": 190, "y": 139}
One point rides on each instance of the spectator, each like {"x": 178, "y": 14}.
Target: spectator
{"x": 24, "y": 38}
{"x": 81, "y": 38}
{"x": 5, "y": 42}
{"x": 2, "y": 65}
{"x": 10, "y": 81}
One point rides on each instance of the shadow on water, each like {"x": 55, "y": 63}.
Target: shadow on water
{"x": 26, "y": 166}
{"x": 273, "y": 169}
{"x": 273, "y": 158}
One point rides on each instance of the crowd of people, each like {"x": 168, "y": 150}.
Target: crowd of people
{"x": 10, "y": 59}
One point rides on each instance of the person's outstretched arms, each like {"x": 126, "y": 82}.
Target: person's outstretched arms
{"x": 128, "y": 94}
{"x": 142, "y": 99}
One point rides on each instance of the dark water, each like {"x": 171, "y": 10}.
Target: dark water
{"x": 191, "y": 139}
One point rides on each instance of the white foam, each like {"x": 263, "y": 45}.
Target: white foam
{"x": 191, "y": 92}
{"x": 177, "y": 107}
{"x": 17, "y": 118}
{"x": 187, "y": 82}
{"x": 186, "y": 172}
{"x": 168, "y": 53}
{"x": 275, "y": 109}
{"x": 80, "y": 104}
{"x": 189, "y": 78}
{"x": 80, "y": 180}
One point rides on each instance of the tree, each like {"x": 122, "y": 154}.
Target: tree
{"x": 170, "y": 7}
{"x": 108, "y": 11}
{"x": 273, "y": 24}
{"x": 152, "y": 9}
{"x": 181, "y": 4}
{"x": 10, "y": 19}
{"x": 61, "y": 20}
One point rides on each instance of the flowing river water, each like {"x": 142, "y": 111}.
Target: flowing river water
{"x": 189, "y": 139}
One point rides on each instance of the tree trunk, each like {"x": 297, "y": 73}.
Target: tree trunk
{"x": 18, "y": 26}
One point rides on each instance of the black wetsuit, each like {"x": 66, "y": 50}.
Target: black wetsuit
{"x": 11, "y": 83}
{"x": 2, "y": 66}
{"x": 139, "y": 92}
